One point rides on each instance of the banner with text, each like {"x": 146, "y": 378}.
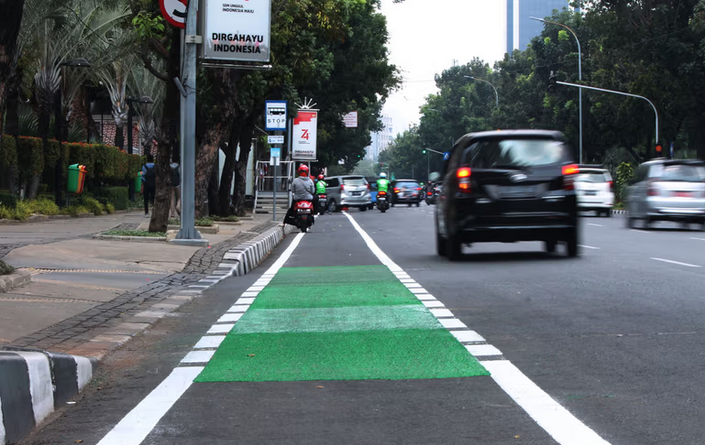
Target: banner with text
{"x": 237, "y": 30}
{"x": 303, "y": 142}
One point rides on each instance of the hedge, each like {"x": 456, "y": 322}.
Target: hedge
{"x": 104, "y": 163}
{"x": 117, "y": 196}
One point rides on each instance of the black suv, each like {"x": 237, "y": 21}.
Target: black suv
{"x": 508, "y": 186}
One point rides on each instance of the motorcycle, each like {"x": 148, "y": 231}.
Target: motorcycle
{"x": 304, "y": 215}
{"x": 382, "y": 202}
{"x": 432, "y": 195}
{"x": 322, "y": 203}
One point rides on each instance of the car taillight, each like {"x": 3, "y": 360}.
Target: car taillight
{"x": 611, "y": 183}
{"x": 653, "y": 190}
{"x": 418, "y": 188}
{"x": 568, "y": 172}
{"x": 342, "y": 187}
{"x": 396, "y": 190}
{"x": 368, "y": 187}
{"x": 463, "y": 176}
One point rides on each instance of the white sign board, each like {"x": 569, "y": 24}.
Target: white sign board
{"x": 237, "y": 30}
{"x": 275, "y": 115}
{"x": 275, "y": 140}
{"x": 350, "y": 119}
{"x": 303, "y": 144}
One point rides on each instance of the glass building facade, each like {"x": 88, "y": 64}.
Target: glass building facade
{"x": 520, "y": 28}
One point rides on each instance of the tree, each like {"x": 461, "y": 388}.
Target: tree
{"x": 10, "y": 20}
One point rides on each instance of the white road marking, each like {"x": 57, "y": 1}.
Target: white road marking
{"x": 452, "y": 323}
{"x": 245, "y": 300}
{"x": 441, "y": 313}
{"x": 589, "y": 247}
{"x": 676, "y": 262}
{"x": 482, "y": 350}
{"x": 549, "y": 414}
{"x": 467, "y": 336}
{"x": 594, "y": 225}
{"x": 229, "y": 318}
{"x": 198, "y": 357}
{"x": 138, "y": 423}
{"x": 242, "y": 308}
{"x": 639, "y": 231}
{"x": 699, "y": 239}
{"x": 220, "y": 328}
{"x": 425, "y": 297}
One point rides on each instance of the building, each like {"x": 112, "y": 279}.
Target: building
{"x": 520, "y": 28}
{"x": 381, "y": 139}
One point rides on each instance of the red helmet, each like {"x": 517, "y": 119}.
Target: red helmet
{"x": 320, "y": 177}
{"x": 303, "y": 170}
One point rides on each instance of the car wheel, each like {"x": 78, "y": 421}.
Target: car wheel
{"x": 333, "y": 206}
{"x": 441, "y": 247}
{"x": 630, "y": 222}
{"x": 371, "y": 206}
{"x": 418, "y": 203}
{"x": 572, "y": 243}
{"x": 454, "y": 248}
{"x": 608, "y": 213}
{"x": 647, "y": 223}
{"x": 549, "y": 246}
{"x": 702, "y": 225}
{"x": 363, "y": 208}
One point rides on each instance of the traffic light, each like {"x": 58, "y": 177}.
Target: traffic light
{"x": 424, "y": 151}
{"x": 552, "y": 82}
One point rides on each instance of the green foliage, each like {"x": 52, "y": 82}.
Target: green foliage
{"x": 30, "y": 155}
{"x": 116, "y": 196}
{"x": 23, "y": 211}
{"x": 149, "y": 25}
{"x": 8, "y": 152}
{"x": 134, "y": 233}
{"x": 5, "y": 269}
{"x": 74, "y": 210}
{"x": 109, "y": 208}
{"x": 204, "y": 222}
{"x": 625, "y": 172}
{"x": 93, "y": 205}
{"x": 229, "y": 218}
{"x": 43, "y": 207}
{"x": 8, "y": 201}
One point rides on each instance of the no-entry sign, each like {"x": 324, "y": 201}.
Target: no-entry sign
{"x": 174, "y": 11}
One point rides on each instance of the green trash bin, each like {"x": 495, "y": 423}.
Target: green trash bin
{"x": 74, "y": 178}
{"x": 138, "y": 183}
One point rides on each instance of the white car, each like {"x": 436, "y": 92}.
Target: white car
{"x": 595, "y": 190}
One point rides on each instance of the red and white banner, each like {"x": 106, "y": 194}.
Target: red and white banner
{"x": 303, "y": 142}
{"x": 350, "y": 119}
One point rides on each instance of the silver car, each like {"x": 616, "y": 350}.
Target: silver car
{"x": 667, "y": 190}
{"x": 348, "y": 191}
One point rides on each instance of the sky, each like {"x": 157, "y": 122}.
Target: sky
{"x": 425, "y": 36}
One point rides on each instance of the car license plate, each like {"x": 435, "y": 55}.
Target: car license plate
{"x": 356, "y": 193}
{"x": 518, "y": 191}
{"x": 590, "y": 192}
{"x": 683, "y": 194}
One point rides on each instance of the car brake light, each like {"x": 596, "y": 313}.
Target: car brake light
{"x": 611, "y": 185}
{"x": 342, "y": 187}
{"x": 653, "y": 189}
{"x": 568, "y": 172}
{"x": 463, "y": 175}
{"x": 368, "y": 187}
{"x": 418, "y": 188}
{"x": 396, "y": 190}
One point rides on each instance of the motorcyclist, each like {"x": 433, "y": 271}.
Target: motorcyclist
{"x": 321, "y": 189}
{"x": 383, "y": 185}
{"x": 302, "y": 189}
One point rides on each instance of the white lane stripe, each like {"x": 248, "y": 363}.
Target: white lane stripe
{"x": 250, "y": 294}
{"x": 229, "y": 318}
{"x": 220, "y": 328}
{"x": 432, "y": 304}
{"x": 467, "y": 336}
{"x": 209, "y": 341}
{"x": 482, "y": 350}
{"x": 594, "y": 225}
{"x": 198, "y": 357}
{"x": 137, "y": 424}
{"x": 412, "y": 285}
{"x": 549, "y": 414}
{"x": 699, "y": 239}
{"x": 279, "y": 263}
{"x": 676, "y": 262}
{"x": 425, "y": 297}
{"x": 452, "y": 323}
{"x": 639, "y": 231}
{"x": 238, "y": 308}
{"x": 589, "y": 247}
{"x": 243, "y": 300}
{"x": 442, "y": 313}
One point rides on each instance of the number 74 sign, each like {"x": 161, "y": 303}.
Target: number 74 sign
{"x": 303, "y": 146}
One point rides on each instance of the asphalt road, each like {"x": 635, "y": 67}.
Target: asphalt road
{"x": 614, "y": 337}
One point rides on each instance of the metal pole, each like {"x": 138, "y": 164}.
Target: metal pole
{"x": 131, "y": 184}
{"x": 188, "y": 130}
{"x": 428, "y": 164}
{"x": 496, "y": 95}
{"x": 274, "y": 200}
{"x": 615, "y": 92}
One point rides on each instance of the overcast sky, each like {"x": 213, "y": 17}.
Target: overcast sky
{"x": 424, "y": 38}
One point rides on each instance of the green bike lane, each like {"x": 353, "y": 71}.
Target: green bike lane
{"x": 333, "y": 347}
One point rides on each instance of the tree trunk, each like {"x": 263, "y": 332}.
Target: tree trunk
{"x": 120, "y": 136}
{"x": 224, "y": 195}
{"x": 241, "y": 169}
{"x": 12, "y": 124}
{"x": 213, "y": 201}
{"x": 204, "y": 168}
{"x": 167, "y": 140}
{"x": 10, "y": 21}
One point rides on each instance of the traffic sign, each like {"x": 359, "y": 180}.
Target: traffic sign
{"x": 174, "y": 11}
{"x": 275, "y": 115}
{"x": 275, "y": 139}
{"x": 275, "y": 152}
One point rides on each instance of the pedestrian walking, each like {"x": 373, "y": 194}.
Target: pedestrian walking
{"x": 175, "y": 207}
{"x": 149, "y": 178}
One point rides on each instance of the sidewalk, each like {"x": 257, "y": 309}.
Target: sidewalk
{"x": 82, "y": 287}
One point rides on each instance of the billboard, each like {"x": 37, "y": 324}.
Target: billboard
{"x": 350, "y": 119}
{"x": 237, "y": 30}
{"x": 303, "y": 141}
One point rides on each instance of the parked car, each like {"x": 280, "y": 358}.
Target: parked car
{"x": 508, "y": 186}
{"x": 595, "y": 190}
{"x": 347, "y": 191}
{"x": 667, "y": 190}
{"x": 406, "y": 191}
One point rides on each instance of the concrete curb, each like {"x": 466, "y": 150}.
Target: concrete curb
{"x": 34, "y": 383}
{"x": 13, "y": 280}
{"x": 138, "y": 239}
{"x": 245, "y": 257}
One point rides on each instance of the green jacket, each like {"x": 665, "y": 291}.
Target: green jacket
{"x": 321, "y": 187}
{"x": 382, "y": 185}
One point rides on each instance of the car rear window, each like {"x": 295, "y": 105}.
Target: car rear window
{"x": 407, "y": 185}
{"x": 591, "y": 177}
{"x": 516, "y": 153}
{"x": 354, "y": 181}
{"x": 679, "y": 172}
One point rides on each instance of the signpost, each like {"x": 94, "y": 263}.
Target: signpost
{"x": 274, "y": 153}
{"x": 275, "y": 115}
{"x": 237, "y": 30}
{"x": 278, "y": 140}
{"x": 174, "y": 11}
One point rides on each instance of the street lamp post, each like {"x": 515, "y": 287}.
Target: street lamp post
{"x": 580, "y": 77}
{"x": 59, "y": 127}
{"x": 496, "y": 96}
{"x": 130, "y": 101}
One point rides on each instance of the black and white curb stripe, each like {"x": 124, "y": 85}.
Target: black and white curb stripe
{"x": 619, "y": 212}
{"x": 33, "y": 384}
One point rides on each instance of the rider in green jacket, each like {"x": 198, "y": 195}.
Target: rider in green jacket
{"x": 383, "y": 186}
{"x": 321, "y": 186}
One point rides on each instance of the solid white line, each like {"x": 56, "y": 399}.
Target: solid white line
{"x": 676, "y": 262}
{"x": 594, "y": 225}
{"x": 285, "y": 256}
{"x": 589, "y": 247}
{"x": 549, "y": 414}
{"x": 699, "y": 239}
{"x": 482, "y": 350}
{"x": 137, "y": 424}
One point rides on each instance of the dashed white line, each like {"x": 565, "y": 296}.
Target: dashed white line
{"x": 639, "y": 231}
{"x": 699, "y": 239}
{"x": 590, "y": 247}
{"x": 594, "y": 225}
{"x": 676, "y": 262}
